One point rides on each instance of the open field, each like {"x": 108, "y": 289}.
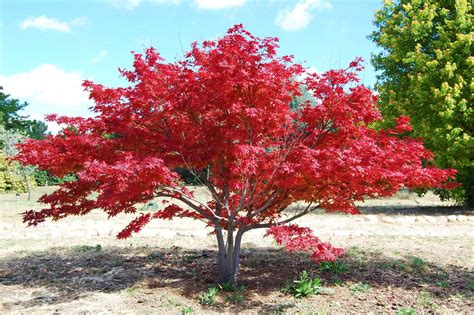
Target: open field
{"x": 406, "y": 253}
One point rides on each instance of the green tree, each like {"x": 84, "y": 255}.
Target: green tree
{"x": 13, "y": 176}
{"x": 301, "y": 99}
{"x": 425, "y": 71}
{"x": 13, "y": 129}
{"x": 9, "y": 109}
{"x": 37, "y": 129}
{"x": 10, "y": 118}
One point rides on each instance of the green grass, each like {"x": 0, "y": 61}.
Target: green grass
{"x": 86, "y": 248}
{"x": 442, "y": 284}
{"x": 335, "y": 267}
{"x": 228, "y": 287}
{"x": 383, "y": 265}
{"x": 400, "y": 265}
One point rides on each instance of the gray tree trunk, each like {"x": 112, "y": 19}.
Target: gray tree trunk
{"x": 229, "y": 256}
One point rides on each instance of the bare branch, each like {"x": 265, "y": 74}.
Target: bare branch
{"x": 265, "y": 206}
{"x": 189, "y": 202}
{"x": 307, "y": 210}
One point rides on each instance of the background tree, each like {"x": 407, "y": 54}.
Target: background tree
{"x": 14, "y": 128}
{"x": 225, "y": 109}
{"x": 301, "y": 98}
{"x": 13, "y": 176}
{"x": 11, "y": 119}
{"x": 426, "y": 69}
{"x": 9, "y": 108}
{"x": 37, "y": 129}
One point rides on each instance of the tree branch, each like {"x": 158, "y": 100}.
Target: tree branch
{"x": 188, "y": 201}
{"x": 266, "y": 205}
{"x": 307, "y": 210}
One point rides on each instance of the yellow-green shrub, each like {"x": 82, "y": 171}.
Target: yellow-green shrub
{"x": 12, "y": 178}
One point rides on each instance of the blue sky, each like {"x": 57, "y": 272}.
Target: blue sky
{"x": 48, "y": 47}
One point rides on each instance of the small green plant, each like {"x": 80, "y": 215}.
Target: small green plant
{"x": 209, "y": 297}
{"x": 360, "y": 287}
{"x": 406, "y": 311}
{"x": 417, "y": 263}
{"x": 236, "y": 297}
{"x": 442, "y": 284}
{"x": 153, "y": 256}
{"x": 229, "y": 287}
{"x": 190, "y": 258}
{"x": 335, "y": 267}
{"x": 86, "y": 248}
{"x": 470, "y": 285}
{"x": 303, "y": 286}
{"x": 187, "y": 310}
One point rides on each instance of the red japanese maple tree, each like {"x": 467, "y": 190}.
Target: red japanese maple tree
{"x": 223, "y": 112}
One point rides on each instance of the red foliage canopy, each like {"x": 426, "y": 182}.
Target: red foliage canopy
{"x": 225, "y": 108}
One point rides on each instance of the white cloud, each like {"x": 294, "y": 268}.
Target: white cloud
{"x": 45, "y": 23}
{"x": 125, "y": 4}
{"x": 201, "y": 4}
{"x": 132, "y": 4}
{"x": 103, "y": 53}
{"x": 48, "y": 89}
{"x": 218, "y": 4}
{"x": 79, "y": 21}
{"x": 301, "y": 14}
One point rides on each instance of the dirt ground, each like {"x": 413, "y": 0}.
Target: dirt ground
{"x": 405, "y": 255}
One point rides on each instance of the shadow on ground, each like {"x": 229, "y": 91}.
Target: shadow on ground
{"x": 72, "y": 273}
{"x": 416, "y": 210}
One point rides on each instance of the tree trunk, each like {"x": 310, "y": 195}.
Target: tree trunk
{"x": 27, "y": 184}
{"x": 229, "y": 256}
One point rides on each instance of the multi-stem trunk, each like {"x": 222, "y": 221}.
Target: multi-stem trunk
{"x": 229, "y": 255}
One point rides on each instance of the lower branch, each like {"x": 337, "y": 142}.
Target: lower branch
{"x": 307, "y": 210}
